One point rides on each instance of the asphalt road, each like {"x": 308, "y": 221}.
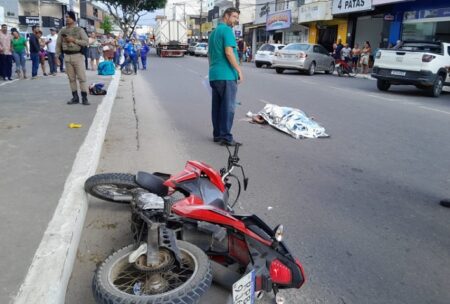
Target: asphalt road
{"x": 360, "y": 208}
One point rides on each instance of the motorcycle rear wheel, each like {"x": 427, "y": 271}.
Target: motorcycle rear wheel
{"x": 116, "y": 279}
{"x": 112, "y": 187}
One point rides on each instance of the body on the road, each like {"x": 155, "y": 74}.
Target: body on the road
{"x": 70, "y": 41}
{"x": 224, "y": 73}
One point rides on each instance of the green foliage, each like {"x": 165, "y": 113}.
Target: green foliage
{"x": 126, "y": 13}
{"x": 106, "y": 24}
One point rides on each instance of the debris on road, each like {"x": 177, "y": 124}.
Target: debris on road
{"x": 74, "y": 125}
{"x": 289, "y": 120}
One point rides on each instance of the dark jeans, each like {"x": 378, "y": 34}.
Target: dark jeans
{"x": 223, "y": 106}
{"x": 52, "y": 62}
{"x": 61, "y": 62}
{"x": 5, "y": 66}
{"x": 144, "y": 62}
{"x": 34, "y": 64}
{"x": 133, "y": 60}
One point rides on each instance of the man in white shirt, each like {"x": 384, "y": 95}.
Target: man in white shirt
{"x": 51, "y": 51}
{"x": 345, "y": 53}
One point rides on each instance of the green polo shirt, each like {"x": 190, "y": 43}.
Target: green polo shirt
{"x": 219, "y": 66}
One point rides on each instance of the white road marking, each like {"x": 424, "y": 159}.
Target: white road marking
{"x": 433, "y": 109}
{"x": 263, "y": 101}
{"x": 8, "y": 82}
{"x": 51, "y": 268}
{"x": 379, "y": 96}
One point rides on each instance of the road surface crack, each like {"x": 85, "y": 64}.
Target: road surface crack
{"x": 136, "y": 117}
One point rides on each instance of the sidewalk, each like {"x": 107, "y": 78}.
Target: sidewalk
{"x": 37, "y": 150}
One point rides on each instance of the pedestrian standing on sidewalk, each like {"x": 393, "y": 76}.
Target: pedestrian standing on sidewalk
{"x": 365, "y": 55}
{"x": 224, "y": 73}
{"x": 20, "y": 50}
{"x": 345, "y": 53}
{"x": 34, "y": 51}
{"x": 51, "y": 51}
{"x": 144, "y": 52}
{"x": 70, "y": 41}
{"x": 356, "y": 53}
{"x": 5, "y": 53}
{"x": 94, "y": 50}
{"x": 42, "y": 52}
{"x": 241, "y": 50}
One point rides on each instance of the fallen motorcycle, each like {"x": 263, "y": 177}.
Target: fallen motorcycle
{"x": 185, "y": 234}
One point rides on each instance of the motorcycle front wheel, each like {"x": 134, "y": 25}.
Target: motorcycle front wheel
{"x": 118, "y": 281}
{"x": 113, "y": 187}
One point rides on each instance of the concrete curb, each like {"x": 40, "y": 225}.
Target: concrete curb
{"x": 51, "y": 268}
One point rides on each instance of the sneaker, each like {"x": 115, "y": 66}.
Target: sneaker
{"x": 34, "y": 78}
{"x": 54, "y": 74}
{"x": 230, "y": 143}
{"x": 9, "y": 78}
{"x": 45, "y": 74}
{"x": 217, "y": 139}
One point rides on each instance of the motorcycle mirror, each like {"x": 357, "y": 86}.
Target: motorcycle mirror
{"x": 279, "y": 233}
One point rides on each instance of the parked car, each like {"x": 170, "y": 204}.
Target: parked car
{"x": 303, "y": 57}
{"x": 191, "y": 48}
{"x": 264, "y": 56}
{"x": 425, "y": 64}
{"x": 201, "y": 49}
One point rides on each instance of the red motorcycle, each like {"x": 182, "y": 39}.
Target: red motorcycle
{"x": 186, "y": 234}
{"x": 343, "y": 67}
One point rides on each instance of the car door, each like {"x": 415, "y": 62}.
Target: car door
{"x": 318, "y": 58}
{"x": 326, "y": 58}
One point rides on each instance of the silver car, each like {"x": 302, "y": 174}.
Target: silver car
{"x": 191, "y": 48}
{"x": 303, "y": 57}
{"x": 264, "y": 56}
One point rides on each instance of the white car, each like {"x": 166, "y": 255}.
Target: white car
{"x": 201, "y": 49}
{"x": 425, "y": 64}
{"x": 264, "y": 56}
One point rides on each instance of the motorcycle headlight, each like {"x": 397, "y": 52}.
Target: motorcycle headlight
{"x": 279, "y": 233}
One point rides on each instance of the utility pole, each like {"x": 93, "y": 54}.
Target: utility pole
{"x": 201, "y": 20}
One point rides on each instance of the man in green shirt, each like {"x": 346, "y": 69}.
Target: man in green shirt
{"x": 224, "y": 74}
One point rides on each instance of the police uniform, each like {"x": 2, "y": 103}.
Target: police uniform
{"x": 74, "y": 59}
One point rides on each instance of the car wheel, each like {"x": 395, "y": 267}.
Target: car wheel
{"x": 383, "y": 85}
{"x": 330, "y": 69}
{"x": 312, "y": 69}
{"x": 279, "y": 70}
{"x": 436, "y": 89}
{"x": 258, "y": 64}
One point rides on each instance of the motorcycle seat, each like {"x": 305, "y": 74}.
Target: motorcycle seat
{"x": 152, "y": 183}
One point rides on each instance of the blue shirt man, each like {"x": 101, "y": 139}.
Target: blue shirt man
{"x": 224, "y": 74}
{"x": 144, "y": 51}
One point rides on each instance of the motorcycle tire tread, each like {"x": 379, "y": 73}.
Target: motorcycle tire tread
{"x": 124, "y": 179}
{"x": 188, "y": 295}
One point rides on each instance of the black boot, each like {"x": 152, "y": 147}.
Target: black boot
{"x": 84, "y": 98}
{"x": 75, "y": 99}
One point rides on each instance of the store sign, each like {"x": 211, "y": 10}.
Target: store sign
{"x": 315, "y": 11}
{"x": 29, "y": 20}
{"x": 51, "y": 22}
{"x": 278, "y": 21}
{"x": 213, "y": 14}
{"x": 427, "y": 14}
{"x": 349, "y": 6}
{"x": 389, "y": 17}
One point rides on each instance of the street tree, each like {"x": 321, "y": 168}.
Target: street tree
{"x": 126, "y": 13}
{"x": 106, "y": 24}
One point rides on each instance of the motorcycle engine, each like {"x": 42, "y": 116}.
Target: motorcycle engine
{"x": 149, "y": 201}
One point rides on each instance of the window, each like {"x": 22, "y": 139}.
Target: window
{"x": 267, "y": 47}
{"x": 316, "y": 49}
{"x": 297, "y": 47}
{"x": 280, "y": 5}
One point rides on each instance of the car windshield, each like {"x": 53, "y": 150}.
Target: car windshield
{"x": 202, "y": 45}
{"x": 267, "y": 47}
{"x": 296, "y": 47}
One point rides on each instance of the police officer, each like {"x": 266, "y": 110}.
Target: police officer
{"x": 71, "y": 40}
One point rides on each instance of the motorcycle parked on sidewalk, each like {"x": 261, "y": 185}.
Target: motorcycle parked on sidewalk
{"x": 186, "y": 233}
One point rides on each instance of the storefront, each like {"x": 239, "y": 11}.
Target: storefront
{"x": 323, "y": 29}
{"x": 425, "y": 20}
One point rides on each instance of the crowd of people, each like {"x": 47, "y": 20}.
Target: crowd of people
{"x": 15, "y": 49}
{"x": 359, "y": 57}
